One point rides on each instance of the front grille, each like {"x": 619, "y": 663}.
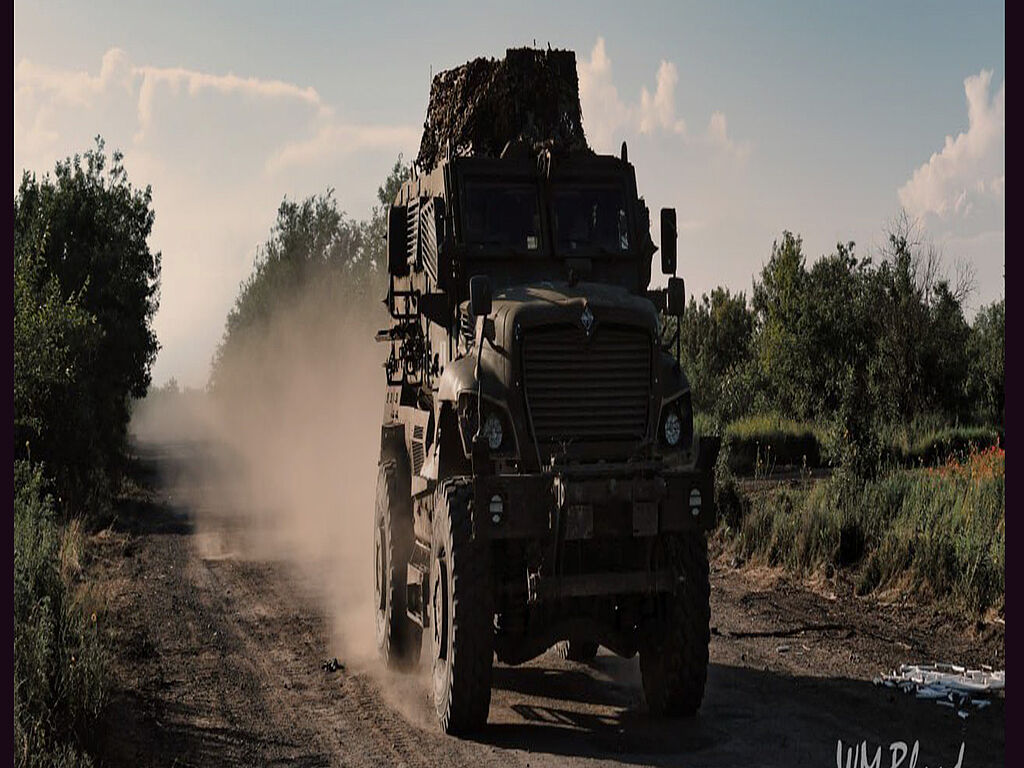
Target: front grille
{"x": 580, "y": 389}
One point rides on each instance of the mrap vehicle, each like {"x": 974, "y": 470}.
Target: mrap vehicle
{"x": 539, "y": 485}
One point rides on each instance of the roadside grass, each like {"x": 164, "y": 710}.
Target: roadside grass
{"x": 59, "y": 681}
{"x": 937, "y": 532}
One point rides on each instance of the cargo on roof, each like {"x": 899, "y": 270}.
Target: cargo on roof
{"x": 477, "y": 108}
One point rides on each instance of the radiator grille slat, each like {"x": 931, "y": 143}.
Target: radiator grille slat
{"x": 581, "y": 389}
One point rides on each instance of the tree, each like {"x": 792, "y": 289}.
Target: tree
{"x": 82, "y": 261}
{"x": 919, "y": 361}
{"x": 317, "y": 262}
{"x": 715, "y": 340}
{"x": 836, "y": 328}
{"x": 782, "y": 346}
{"x": 986, "y": 362}
{"x": 55, "y": 343}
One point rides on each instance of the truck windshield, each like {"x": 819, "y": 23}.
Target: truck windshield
{"x": 502, "y": 216}
{"x": 590, "y": 218}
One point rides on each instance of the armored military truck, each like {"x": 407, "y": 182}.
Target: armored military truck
{"x": 539, "y": 485}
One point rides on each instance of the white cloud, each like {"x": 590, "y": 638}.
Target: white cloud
{"x": 333, "y": 138}
{"x": 969, "y": 169}
{"x": 41, "y": 91}
{"x": 718, "y": 136}
{"x": 72, "y": 87}
{"x": 659, "y": 110}
{"x": 604, "y": 113}
{"x": 220, "y": 151}
{"x": 607, "y": 118}
{"x": 195, "y": 82}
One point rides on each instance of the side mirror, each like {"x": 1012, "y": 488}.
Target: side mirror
{"x": 676, "y": 297}
{"x": 479, "y": 296}
{"x": 668, "y": 241}
{"x": 398, "y": 247}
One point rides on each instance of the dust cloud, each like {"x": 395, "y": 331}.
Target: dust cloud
{"x": 284, "y": 450}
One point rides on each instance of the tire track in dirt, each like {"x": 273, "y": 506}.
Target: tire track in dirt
{"x": 342, "y": 715}
{"x": 218, "y": 663}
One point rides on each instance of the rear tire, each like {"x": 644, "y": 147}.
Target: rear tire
{"x": 576, "y": 650}
{"x": 398, "y": 636}
{"x": 674, "y": 655}
{"x": 462, "y": 613}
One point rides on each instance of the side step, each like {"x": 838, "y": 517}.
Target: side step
{"x": 417, "y": 587}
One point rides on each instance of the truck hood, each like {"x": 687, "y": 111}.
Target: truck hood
{"x": 582, "y": 304}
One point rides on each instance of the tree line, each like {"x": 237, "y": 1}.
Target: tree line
{"x": 317, "y": 261}
{"x": 851, "y": 341}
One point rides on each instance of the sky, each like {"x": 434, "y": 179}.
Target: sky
{"x": 824, "y": 119}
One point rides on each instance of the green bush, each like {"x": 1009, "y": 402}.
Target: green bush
{"x": 59, "y": 687}
{"x": 764, "y": 442}
{"x": 940, "y": 446}
{"x": 715, "y": 341}
{"x": 758, "y": 444}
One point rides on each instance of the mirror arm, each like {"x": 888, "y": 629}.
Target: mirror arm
{"x": 482, "y": 331}
{"x": 678, "y": 328}
{"x": 479, "y": 385}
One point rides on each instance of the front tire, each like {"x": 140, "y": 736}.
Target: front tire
{"x": 674, "y": 655}
{"x": 462, "y": 613}
{"x": 398, "y": 637}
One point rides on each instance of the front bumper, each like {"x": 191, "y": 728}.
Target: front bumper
{"x": 639, "y": 499}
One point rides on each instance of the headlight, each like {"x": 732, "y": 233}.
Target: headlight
{"x": 673, "y": 428}
{"x": 492, "y": 431}
{"x": 495, "y": 423}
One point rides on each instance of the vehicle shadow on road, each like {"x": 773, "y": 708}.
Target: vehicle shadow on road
{"x": 749, "y": 717}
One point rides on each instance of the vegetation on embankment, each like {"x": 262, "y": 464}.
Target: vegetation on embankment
{"x": 85, "y": 291}
{"x": 59, "y": 676}
{"x": 936, "y": 532}
{"x": 867, "y": 368}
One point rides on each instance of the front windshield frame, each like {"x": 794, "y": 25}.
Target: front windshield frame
{"x": 596, "y": 170}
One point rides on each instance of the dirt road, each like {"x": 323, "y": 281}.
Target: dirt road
{"x": 218, "y": 662}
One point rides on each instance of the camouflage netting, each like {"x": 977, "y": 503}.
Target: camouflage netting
{"x": 531, "y": 95}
